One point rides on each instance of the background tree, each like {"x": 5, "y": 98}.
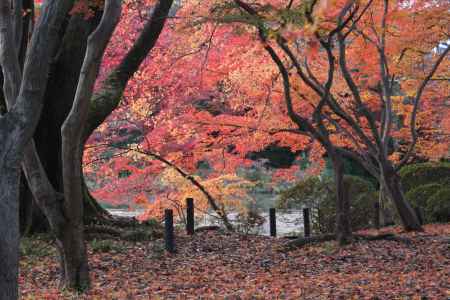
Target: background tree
{"x": 339, "y": 114}
{"x": 223, "y": 118}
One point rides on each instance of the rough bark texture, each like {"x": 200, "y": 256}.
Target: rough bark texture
{"x": 75, "y": 256}
{"x": 59, "y": 96}
{"x": 392, "y": 185}
{"x": 9, "y": 220}
{"x": 18, "y": 124}
{"x": 60, "y": 92}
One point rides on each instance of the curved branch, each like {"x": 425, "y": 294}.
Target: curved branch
{"x": 195, "y": 182}
{"x": 71, "y": 130}
{"x": 419, "y": 92}
{"x": 108, "y": 97}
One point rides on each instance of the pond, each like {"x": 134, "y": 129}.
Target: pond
{"x": 288, "y": 222}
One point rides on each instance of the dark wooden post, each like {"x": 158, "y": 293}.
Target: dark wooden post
{"x": 376, "y": 215}
{"x": 306, "y": 222}
{"x": 273, "y": 222}
{"x": 190, "y": 216}
{"x": 168, "y": 226}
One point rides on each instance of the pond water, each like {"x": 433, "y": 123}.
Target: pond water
{"x": 288, "y": 222}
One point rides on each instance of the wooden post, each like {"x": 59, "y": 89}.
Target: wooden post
{"x": 376, "y": 215}
{"x": 169, "y": 235}
{"x": 306, "y": 222}
{"x": 190, "y": 216}
{"x": 273, "y": 222}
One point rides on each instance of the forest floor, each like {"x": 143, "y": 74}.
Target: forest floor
{"x": 215, "y": 265}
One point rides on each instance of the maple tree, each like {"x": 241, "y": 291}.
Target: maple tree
{"x": 147, "y": 110}
{"x": 366, "y": 94}
{"x": 218, "y": 110}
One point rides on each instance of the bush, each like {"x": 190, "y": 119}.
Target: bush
{"x": 304, "y": 193}
{"x": 438, "y": 206}
{"x": 35, "y": 246}
{"x": 418, "y": 197}
{"x": 416, "y": 175}
{"x": 320, "y": 196}
{"x": 103, "y": 246}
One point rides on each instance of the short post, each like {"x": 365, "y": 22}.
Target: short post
{"x": 306, "y": 222}
{"x": 190, "y": 216}
{"x": 273, "y": 222}
{"x": 169, "y": 235}
{"x": 376, "y": 215}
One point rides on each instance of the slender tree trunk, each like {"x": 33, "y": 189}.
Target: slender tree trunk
{"x": 75, "y": 254}
{"x": 343, "y": 228}
{"x": 393, "y": 188}
{"x": 59, "y": 97}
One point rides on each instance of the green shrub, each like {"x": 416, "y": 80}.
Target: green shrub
{"x": 102, "y": 246}
{"x": 320, "y": 196}
{"x": 34, "y": 246}
{"x": 418, "y": 197}
{"x": 416, "y": 175}
{"x": 438, "y": 206}
{"x": 303, "y": 193}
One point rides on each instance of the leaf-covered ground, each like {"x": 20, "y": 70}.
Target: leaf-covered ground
{"x": 213, "y": 265}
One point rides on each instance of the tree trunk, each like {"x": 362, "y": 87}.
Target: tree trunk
{"x": 93, "y": 211}
{"x": 73, "y": 257}
{"x": 59, "y": 97}
{"x": 386, "y": 212}
{"x": 9, "y": 229}
{"x": 343, "y": 228}
{"x": 392, "y": 185}
{"x": 32, "y": 219}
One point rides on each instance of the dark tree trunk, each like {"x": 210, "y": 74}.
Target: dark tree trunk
{"x": 393, "y": 188}
{"x": 32, "y": 219}
{"x": 9, "y": 229}
{"x": 343, "y": 228}
{"x": 60, "y": 92}
{"x": 2, "y": 97}
{"x": 73, "y": 243}
{"x": 59, "y": 97}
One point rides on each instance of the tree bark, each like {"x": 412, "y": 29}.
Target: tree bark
{"x": 46, "y": 163}
{"x": 18, "y": 124}
{"x": 59, "y": 97}
{"x": 343, "y": 228}
{"x": 75, "y": 256}
{"x": 9, "y": 223}
{"x": 393, "y": 188}
{"x": 32, "y": 219}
